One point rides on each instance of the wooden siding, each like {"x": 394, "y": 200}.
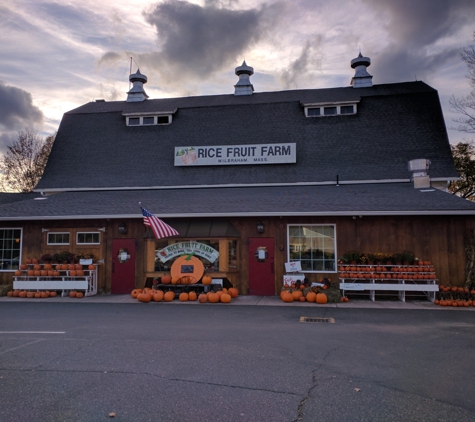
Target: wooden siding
{"x": 439, "y": 239}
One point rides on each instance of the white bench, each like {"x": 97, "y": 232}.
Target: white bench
{"x": 403, "y": 286}
{"x": 86, "y": 283}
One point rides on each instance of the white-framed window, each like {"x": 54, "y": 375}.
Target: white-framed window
{"x": 330, "y": 110}
{"x": 58, "y": 238}
{"x": 10, "y": 248}
{"x": 314, "y": 245}
{"x": 88, "y": 238}
{"x": 149, "y": 120}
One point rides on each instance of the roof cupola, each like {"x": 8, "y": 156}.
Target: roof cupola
{"x": 244, "y": 86}
{"x": 362, "y": 78}
{"x": 137, "y": 93}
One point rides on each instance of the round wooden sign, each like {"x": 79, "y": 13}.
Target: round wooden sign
{"x": 188, "y": 266}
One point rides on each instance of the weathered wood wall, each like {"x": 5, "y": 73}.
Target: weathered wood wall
{"x": 439, "y": 239}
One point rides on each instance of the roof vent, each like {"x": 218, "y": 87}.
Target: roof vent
{"x": 137, "y": 93}
{"x": 419, "y": 169}
{"x": 244, "y": 86}
{"x": 362, "y": 78}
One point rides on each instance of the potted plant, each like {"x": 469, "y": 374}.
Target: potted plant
{"x": 85, "y": 258}
{"x": 46, "y": 258}
{"x": 352, "y": 257}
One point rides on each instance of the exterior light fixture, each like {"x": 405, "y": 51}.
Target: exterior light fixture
{"x": 260, "y": 227}
{"x": 122, "y": 228}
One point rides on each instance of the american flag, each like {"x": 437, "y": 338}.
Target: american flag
{"x": 160, "y": 229}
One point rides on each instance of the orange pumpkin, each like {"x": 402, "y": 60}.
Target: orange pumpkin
{"x": 79, "y": 295}
{"x": 144, "y": 297}
{"x": 233, "y": 292}
{"x": 213, "y": 298}
{"x": 166, "y": 279}
{"x": 175, "y": 280}
{"x": 91, "y": 267}
{"x": 31, "y": 294}
{"x": 321, "y": 298}
{"x": 158, "y": 296}
{"x": 287, "y": 297}
{"x": 48, "y": 267}
{"x": 37, "y": 295}
{"x": 10, "y": 294}
{"x": 302, "y": 299}
{"x": 53, "y": 294}
{"x": 16, "y": 293}
{"x": 23, "y": 266}
{"x": 183, "y": 297}
{"x": 311, "y": 296}
{"x": 22, "y": 293}
{"x": 72, "y": 293}
{"x": 206, "y": 280}
{"x": 192, "y": 296}
{"x": 297, "y": 294}
{"x": 225, "y": 298}
{"x": 17, "y": 273}
{"x": 202, "y": 298}
{"x": 169, "y": 296}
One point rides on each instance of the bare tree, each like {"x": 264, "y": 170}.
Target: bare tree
{"x": 24, "y": 162}
{"x": 464, "y": 159}
{"x": 465, "y": 106}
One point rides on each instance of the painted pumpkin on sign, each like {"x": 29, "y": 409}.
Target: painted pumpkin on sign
{"x": 187, "y": 266}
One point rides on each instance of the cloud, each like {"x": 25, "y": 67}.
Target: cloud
{"x": 196, "y": 41}
{"x": 17, "y": 112}
{"x": 307, "y": 63}
{"x": 420, "y": 33}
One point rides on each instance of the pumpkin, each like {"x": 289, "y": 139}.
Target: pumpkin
{"x": 48, "y": 267}
{"x": 37, "y": 295}
{"x": 297, "y": 294}
{"x": 192, "y": 296}
{"x": 64, "y": 267}
{"x": 35, "y": 261}
{"x": 80, "y": 273}
{"x": 206, "y": 280}
{"x": 321, "y": 298}
{"x": 23, "y": 266}
{"x": 16, "y": 293}
{"x": 22, "y": 293}
{"x": 91, "y": 267}
{"x": 72, "y": 266}
{"x": 72, "y": 293}
{"x": 185, "y": 280}
{"x": 37, "y": 273}
{"x": 287, "y": 297}
{"x": 79, "y": 295}
{"x": 73, "y": 273}
{"x": 166, "y": 279}
{"x": 225, "y": 298}
{"x": 213, "y": 297}
{"x": 44, "y": 295}
{"x": 169, "y": 296}
{"x": 311, "y": 296}
{"x": 202, "y": 298}
{"x": 18, "y": 273}
{"x": 144, "y": 297}
{"x": 37, "y": 267}
{"x": 135, "y": 293}
{"x": 76, "y": 267}
{"x": 187, "y": 266}
{"x": 183, "y": 297}
{"x": 175, "y": 280}
{"x": 10, "y": 294}
{"x": 158, "y": 296}
{"x": 233, "y": 292}
{"x": 31, "y": 273}
{"x": 53, "y": 294}
{"x": 454, "y": 288}
{"x": 30, "y": 294}
{"x": 302, "y": 299}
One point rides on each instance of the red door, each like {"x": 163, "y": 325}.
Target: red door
{"x": 261, "y": 266}
{"x": 123, "y": 266}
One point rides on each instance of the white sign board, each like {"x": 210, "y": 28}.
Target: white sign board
{"x": 293, "y": 267}
{"x": 224, "y": 155}
{"x": 289, "y": 279}
{"x": 187, "y": 248}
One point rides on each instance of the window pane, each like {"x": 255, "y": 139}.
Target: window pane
{"x": 328, "y": 111}
{"x": 148, "y": 121}
{"x": 314, "y": 246}
{"x": 346, "y": 109}
{"x": 134, "y": 121}
{"x": 10, "y": 247}
{"x": 313, "y": 111}
{"x": 88, "y": 238}
{"x": 162, "y": 120}
{"x": 58, "y": 239}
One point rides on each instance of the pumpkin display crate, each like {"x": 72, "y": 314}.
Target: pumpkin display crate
{"x": 57, "y": 277}
{"x": 370, "y": 278}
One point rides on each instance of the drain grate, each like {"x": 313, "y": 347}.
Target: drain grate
{"x": 317, "y": 319}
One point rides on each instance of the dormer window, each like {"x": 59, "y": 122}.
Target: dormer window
{"x": 149, "y": 119}
{"x": 330, "y": 109}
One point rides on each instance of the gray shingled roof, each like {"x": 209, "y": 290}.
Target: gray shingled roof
{"x": 364, "y": 199}
{"x": 394, "y": 124}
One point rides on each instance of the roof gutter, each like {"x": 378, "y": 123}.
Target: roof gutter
{"x": 251, "y": 214}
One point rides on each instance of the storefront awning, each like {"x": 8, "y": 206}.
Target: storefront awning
{"x": 197, "y": 228}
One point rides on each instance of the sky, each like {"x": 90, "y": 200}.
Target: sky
{"x": 58, "y": 55}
